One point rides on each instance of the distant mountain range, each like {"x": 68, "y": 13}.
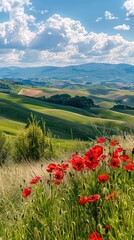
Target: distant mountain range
{"x": 92, "y": 72}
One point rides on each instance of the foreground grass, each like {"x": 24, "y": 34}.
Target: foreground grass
{"x": 54, "y": 211}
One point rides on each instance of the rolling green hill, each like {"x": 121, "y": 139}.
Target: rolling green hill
{"x": 65, "y": 122}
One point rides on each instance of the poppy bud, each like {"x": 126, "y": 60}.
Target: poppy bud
{"x": 107, "y": 228}
{"x": 124, "y": 152}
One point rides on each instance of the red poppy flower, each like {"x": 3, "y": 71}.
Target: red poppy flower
{"x": 115, "y": 154}
{"x": 101, "y": 140}
{"x": 55, "y": 181}
{"x": 129, "y": 167}
{"x": 125, "y": 158}
{"x": 132, "y": 151}
{"x": 103, "y": 178}
{"x": 103, "y": 156}
{"x": 107, "y": 228}
{"x": 93, "y": 198}
{"x": 73, "y": 156}
{"x": 119, "y": 149}
{"x": 83, "y": 200}
{"x": 78, "y": 163}
{"x": 111, "y": 196}
{"x": 59, "y": 175}
{"x": 93, "y": 156}
{"x": 26, "y": 192}
{"x": 94, "y": 153}
{"x": 91, "y": 164}
{"x": 114, "y": 143}
{"x": 35, "y": 180}
{"x": 95, "y": 236}
{"x": 51, "y": 167}
{"x": 115, "y": 162}
{"x": 63, "y": 167}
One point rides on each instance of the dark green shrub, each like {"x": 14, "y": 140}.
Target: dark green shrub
{"x": 31, "y": 143}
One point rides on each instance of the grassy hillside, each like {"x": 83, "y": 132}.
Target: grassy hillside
{"x": 106, "y": 97}
{"x": 64, "y": 121}
{"x": 103, "y": 95}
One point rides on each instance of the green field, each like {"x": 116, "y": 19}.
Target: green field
{"x": 64, "y": 121}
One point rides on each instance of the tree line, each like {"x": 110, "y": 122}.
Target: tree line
{"x": 66, "y": 99}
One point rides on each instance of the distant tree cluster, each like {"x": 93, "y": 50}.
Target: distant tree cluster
{"x": 122, "y": 107}
{"x": 5, "y": 86}
{"x": 66, "y": 99}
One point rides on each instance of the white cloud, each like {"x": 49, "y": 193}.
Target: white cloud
{"x": 129, "y": 5}
{"x": 10, "y": 57}
{"x": 57, "y": 33}
{"x": 57, "y": 41}
{"x": 122, "y": 27}
{"x": 110, "y": 16}
{"x": 16, "y": 32}
{"x": 69, "y": 43}
{"x": 8, "y": 5}
{"x": 98, "y": 19}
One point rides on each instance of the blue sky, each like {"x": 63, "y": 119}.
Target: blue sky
{"x": 66, "y": 32}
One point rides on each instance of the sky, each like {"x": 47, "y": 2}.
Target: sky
{"x": 66, "y": 32}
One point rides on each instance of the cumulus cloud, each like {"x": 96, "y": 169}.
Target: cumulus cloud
{"x": 129, "y": 6}
{"x": 10, "y": 57}
{"x": 8, "y": 5}
{"x": 69, "y": 43}
{"x": 122, "y": 27}
{"x": 110, "y": 16}
{"x": 57, "y": 33}
{"x": 16, "y": 32}
{"x": 56, "y": 41}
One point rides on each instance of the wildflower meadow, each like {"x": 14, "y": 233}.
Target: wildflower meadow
{"x": 89, "y": 196}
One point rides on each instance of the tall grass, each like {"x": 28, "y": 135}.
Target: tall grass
{"x": 4, "y": 148}
{"x": 55, "y": 211}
